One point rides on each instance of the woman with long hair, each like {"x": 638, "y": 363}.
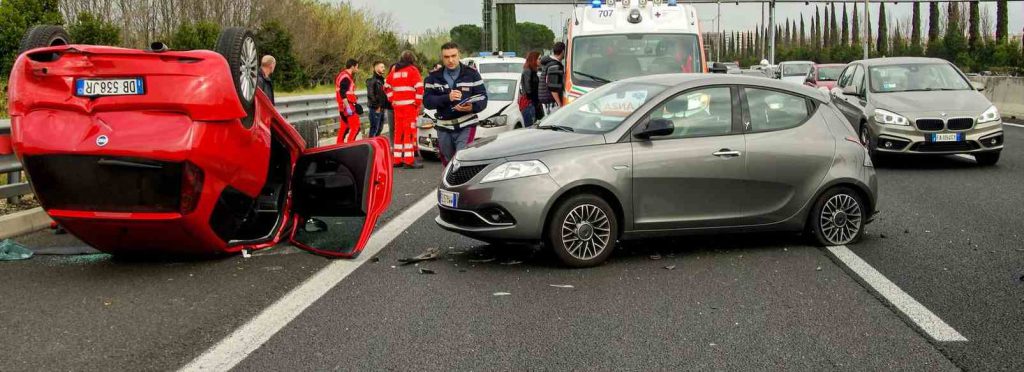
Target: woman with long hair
{"x": 528, "y": 99}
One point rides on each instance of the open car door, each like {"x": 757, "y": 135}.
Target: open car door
{"x": 339, "y": 192}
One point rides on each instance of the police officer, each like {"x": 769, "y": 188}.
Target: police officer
{"x": 445, "y": 91}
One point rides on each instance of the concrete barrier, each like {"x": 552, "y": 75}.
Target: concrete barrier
{"x": 1006, "y": 92}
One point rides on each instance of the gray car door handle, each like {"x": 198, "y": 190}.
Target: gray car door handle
{"x": 726, "y": 153}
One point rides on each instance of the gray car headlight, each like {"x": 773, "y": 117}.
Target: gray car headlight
{"x": 516, "y": 169}
{"x": 990, "y": 115}
{"x": 890, "y": 118}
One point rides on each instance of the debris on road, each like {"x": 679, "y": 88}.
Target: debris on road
{"x": 375, "y": 259}
{"x": 429, "y": 255}
{"x": 818, "y": 268}
{"x": 246, "y": 254}
{"x": 482, "y": 260}
{"x": 12, "y": 251}
{"x": 883, "y": 236}
{"x": 426, "y": 271}
{"x": 513, "y": 262}
{"x": 496, "y": 294}
{"x": 561, "y": 285}
{"x": 670, "y": 267}
{"x": 655, "y": 257}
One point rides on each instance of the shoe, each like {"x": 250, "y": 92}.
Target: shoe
{"x": 398, "y": 165}
{"x": 414, "y": 166}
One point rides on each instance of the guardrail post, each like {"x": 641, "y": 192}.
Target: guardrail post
{"x": 13, "y": 178}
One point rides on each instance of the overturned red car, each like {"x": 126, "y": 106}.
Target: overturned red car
{"x": 140, "y": 152}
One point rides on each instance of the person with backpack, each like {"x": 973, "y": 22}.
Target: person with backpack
{"x": 528, "y": 84}
{"x": 551, "y": 88}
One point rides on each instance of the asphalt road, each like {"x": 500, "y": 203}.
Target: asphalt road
{"x": 949, "y": 236}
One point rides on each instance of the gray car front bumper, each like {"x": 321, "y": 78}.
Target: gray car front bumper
{"x": 524, "y": 200}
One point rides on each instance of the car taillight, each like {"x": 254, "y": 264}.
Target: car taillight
{"x": 191, "y": 187}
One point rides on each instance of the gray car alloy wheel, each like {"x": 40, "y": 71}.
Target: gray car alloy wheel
{"x": 586, "y": 232}
{"x": 840, "y": 219}
{"x": 247, "y": 69}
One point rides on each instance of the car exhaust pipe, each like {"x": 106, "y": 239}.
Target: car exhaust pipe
{"x": 158, "y": 46}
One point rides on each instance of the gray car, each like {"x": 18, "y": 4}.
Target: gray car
{"x": 666, "y": 155}
{"x": 919, "y": 106}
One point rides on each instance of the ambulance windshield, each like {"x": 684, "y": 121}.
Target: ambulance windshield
{"x": 597, "y": 60}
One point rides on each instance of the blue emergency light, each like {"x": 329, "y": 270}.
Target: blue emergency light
{"x": 596, "y": 4}
{"x": 672, "y": 2}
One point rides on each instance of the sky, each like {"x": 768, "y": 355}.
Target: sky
{"x": 418, "y": 16}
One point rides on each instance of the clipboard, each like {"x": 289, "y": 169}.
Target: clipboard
{"x": 472, "y": 99}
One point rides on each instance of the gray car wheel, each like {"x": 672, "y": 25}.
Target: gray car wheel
{"x": 583, "y": 231}
{"x": 838, "y": 217}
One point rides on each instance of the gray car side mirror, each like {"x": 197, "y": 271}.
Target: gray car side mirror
{"x": 978, "y": 86}
{"x": 851, "y": 90}
{"x": 656, "y": 128}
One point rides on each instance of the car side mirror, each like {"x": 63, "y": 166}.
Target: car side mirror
{"x": 656, "y": 128}
{"x": 851, "y": 90}
{"x": 978, "y": 86}
{"x": 811, "y": 81}
{"x": 719, "y": 68}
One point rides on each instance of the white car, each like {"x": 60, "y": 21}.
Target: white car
{"x": 794, "y": 71}
{"x": 500, "y": 62}
{"x": 501, "y": 115}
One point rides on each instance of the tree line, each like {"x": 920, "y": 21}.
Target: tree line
{"x": 311, "y": 39}
{"x": 833, "y": 35}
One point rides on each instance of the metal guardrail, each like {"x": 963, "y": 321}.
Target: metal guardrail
{"x": 306, "y": 113}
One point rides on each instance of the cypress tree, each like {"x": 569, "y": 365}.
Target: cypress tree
{"x": 835, "y": 28}
{"x": 827, "y": 31}
{"x": 974, "y": 34}
{"x": 898, "y": 47}
{"x": 915, "y": 33}
{"x": 883, "y": 31}
{"x": 855, "y": 26}
{"x": 817, "y": 28}
{"x": 792, "y": 36}
{"x": 1002, "y": 25}
{"x": 803, "y": 33}
{"x": 954, "y": 41}
{"x": 933, "y": 22}
{"x": 846, "y": 27}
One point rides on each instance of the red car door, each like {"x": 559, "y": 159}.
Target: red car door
{"x": 339, "y": 192}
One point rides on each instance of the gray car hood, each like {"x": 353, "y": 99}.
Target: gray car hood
{"x": 945, "y": 101}
{"x": 525, "y": 141}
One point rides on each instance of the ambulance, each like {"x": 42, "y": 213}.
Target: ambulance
{"x": 609, "y": 40}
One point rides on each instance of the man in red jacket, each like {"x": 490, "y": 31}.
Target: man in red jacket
{"x": 404, "y": 89}
{"x": 345, "y": 94}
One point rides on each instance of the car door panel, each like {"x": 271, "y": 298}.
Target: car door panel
{"x": 339, "y": 192}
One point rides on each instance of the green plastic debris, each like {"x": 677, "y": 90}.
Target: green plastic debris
{"x": 11, "y": 251}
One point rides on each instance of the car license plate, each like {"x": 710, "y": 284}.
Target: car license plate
{"x": 109, "y": 87}
{"x": 945, "y": 137}
{"x": 448, "y": 199}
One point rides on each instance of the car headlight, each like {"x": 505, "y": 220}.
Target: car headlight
{"x": 495, "y": 121}
{"x": 890, "y": 118}
{"x": 990, "y": 115}
{"x": 425, "y": 122}
{"x": 516, "y": 169}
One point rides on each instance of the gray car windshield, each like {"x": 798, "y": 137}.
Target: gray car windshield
{"x": 603, "y": 109}
{"x": 796, "y": 69}
{"x": 915, "y": 78}
{"x": 597, "y": 60}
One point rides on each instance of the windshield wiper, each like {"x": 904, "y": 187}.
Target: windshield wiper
{"x": 592, "y": 77}
{"x": 558, "y": 128}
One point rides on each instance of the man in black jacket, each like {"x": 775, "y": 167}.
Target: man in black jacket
{"x": 552, "y": 86}
{"x": 267, "y": 65}
{"x": 377, "y": 99}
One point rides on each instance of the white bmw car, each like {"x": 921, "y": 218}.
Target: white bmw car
{"x": 501, "y": 115}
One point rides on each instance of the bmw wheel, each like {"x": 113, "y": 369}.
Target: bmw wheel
{"x": 583, "y": 231}
{"x": 238, "y": 46}
{"x": 838, "y": 217}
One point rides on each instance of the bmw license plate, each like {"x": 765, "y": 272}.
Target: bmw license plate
{"x": 448, "y": 199}
{"x": 946, "y": 137}
{"x": 109, "y": 87}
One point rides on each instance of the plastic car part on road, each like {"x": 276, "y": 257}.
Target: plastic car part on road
{"x": 12, "y": 251}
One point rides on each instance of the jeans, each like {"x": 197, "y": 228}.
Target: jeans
{"x": 376, "y": 123}
{"x": 451, "y": 141}
{"x": 529, "y": 114}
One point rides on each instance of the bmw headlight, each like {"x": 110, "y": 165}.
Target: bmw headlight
{"x": 990, "y": 115}
{"x": 516, "y": 169}
{"x": 890, "y": 118}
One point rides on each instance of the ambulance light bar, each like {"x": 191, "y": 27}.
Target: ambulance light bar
{"x": 597, "y": 4}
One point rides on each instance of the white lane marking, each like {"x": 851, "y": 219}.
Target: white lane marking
{"x": 1014, "y": 125}
{"x": 246, "y": 339}
{"x": 920, "y": 315}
